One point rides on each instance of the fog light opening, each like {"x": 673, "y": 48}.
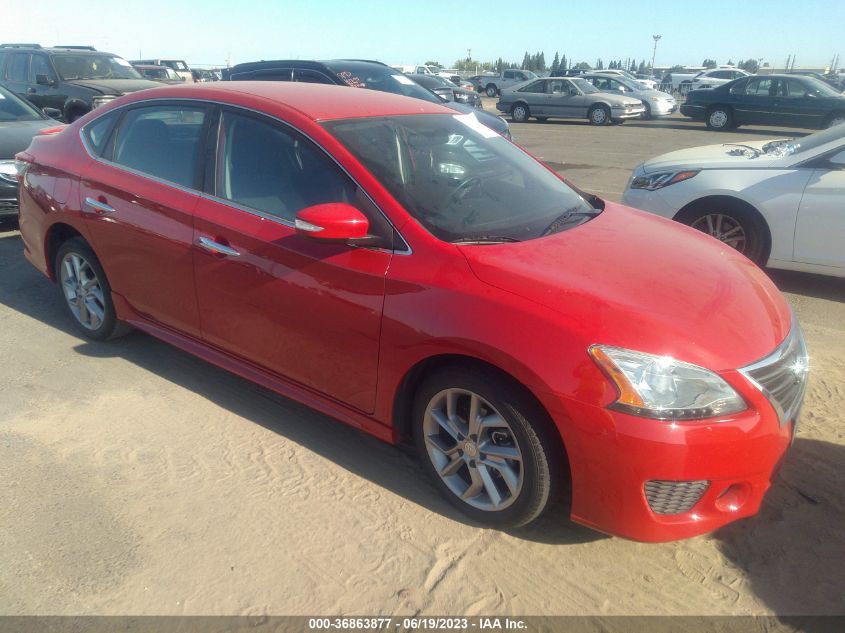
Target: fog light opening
{"x": 733, "y": 497}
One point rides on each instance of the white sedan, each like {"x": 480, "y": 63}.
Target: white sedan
{"x": 780, "y": 202}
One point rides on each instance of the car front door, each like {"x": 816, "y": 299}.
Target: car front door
{"x": 306, "y": 310}
{"x": 42, "y": 84}
{"x": 820, "y": 231}
{"x": 800, "y": 104}
{"x": 138, "y": 202}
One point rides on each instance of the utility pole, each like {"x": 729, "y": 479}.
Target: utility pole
{"x": 656, "y": 38}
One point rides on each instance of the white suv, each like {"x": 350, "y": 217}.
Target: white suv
{"x": 716, "y": 77}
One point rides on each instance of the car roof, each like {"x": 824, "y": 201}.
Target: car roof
{"x": 319, "y": 102}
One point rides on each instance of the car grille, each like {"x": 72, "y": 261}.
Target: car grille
{"x": 674, "y": 497}
{"x": 782, "y": 376}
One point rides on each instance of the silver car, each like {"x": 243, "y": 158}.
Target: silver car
{"x": 567, "y": 98}
{"x": 657, "y": 104}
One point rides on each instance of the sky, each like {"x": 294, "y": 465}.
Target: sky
{"x": 411, "y": 32}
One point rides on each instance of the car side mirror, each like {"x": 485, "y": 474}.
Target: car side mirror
{"x": 332, "y": 222}
{"x": 53, "y": 113}
{"x": 44, "y": 80}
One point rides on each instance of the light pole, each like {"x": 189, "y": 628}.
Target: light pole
{"x": 656, "y": 38}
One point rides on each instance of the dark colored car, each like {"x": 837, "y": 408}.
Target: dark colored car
{"x": 831, "y": 79}
{"x": 19, "y": 122}
{"x": 72, "y": 79}
{"x": 447, "y": 90}
{"x": 357, "y": 74}
{"x": 783, "y": 100}
{"x": 571, "y": 72}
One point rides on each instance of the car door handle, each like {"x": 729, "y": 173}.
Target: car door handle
{"x": 97, "y": 206}
{"x": 215, "y": 247}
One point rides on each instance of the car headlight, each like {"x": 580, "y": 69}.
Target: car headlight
{"x": 663, "y": 388}
{"x": 651, "y": 182}
{"x": 8, "y": 171}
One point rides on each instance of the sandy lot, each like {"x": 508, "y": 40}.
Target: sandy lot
{"x": 135, "y": 479}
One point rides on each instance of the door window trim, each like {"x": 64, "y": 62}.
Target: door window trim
{"x": 400, "y": 244}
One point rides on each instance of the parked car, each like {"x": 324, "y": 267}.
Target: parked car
{"x": 831, "y": 79}
{"x": 784, "y": 100}
{"x": 72, "y": 79}
{"x": 569, "y": 72}
{"x": 405, "y": 270}
{"x": 354, "y": 73}
{"x": 656, "y": 103}
{"x": 567, "y": 98}
{"x": 448, "y": 91}
{"x": 19, "y": 122}
{"x": 479, "y": 82}
{"x": 203, "y": 74}
{"x": 777, "y": 202}
{"x": 163, "y": 74}
{"x": 179, "y": 65}
{"x": 651, "y": 85}
{"x": 716, "y": 77}
{"x": 507, "y": 79}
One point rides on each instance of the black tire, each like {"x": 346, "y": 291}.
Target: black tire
{"x": 539, "y": 466}
{"x": 520, "y": 113}
{"x": 106, "y": 326}
{"x": 491, "y": 90}
{"x": 647, "y": 114}
{"x": 599, "y": 115}
{"x": 719, "y": 118}
{"x": 542, "y": 119}
{"x": 755, "y": 242}
{"x": 73, "y": 114}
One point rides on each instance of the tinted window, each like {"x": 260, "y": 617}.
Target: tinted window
{"x": 97, "y": 132}
{"x": 758, "y": 87}
{"x": 509, "y": 74}
{"x": 14, "y": 109}
{"x": 272, "y": 169}
{"x": 792, "y": 88}
{"x": 18, "y": 68}
{"x": 312, "y": 77}
{"x": 378, "y": 77}
{"x": 40, "y": 65}
{"x": 72, "y": 67}
{"x": 162, "y": 141}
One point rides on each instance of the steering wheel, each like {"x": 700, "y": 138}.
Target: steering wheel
{"x": 464, "y": 188}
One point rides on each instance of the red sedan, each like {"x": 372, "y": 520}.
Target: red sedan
{"x": 409, "y": 272}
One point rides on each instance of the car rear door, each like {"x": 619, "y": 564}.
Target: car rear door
{"x": 138, "y": 199}
{"x": 306, "y": 310}
{"x": 753, "y": 100}
{"x": 820, "y": 229}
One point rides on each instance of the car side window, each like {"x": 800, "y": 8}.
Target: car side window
{"x": 537, "y": 86}
{"x": 40, "y": 65}
{"x": 758, "y": 87}
{"x": 509, "y": 74}
{"x": 312, "y": 77}
{"x": 266, "y": 167}
{"x": 162, "y": 141}
{"x": 97, "y": 132}
{"x": 18, "y": 67}
{"x": 555, "y": 87}
{"x": 792, "y": 88}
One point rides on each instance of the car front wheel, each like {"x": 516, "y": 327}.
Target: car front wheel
{"x": 599, "y": 115}
{"x": 475, "y": 436}
{"x": 731, "y": 225}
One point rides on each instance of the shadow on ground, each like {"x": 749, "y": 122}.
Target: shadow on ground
{"x": 26, "y": 291}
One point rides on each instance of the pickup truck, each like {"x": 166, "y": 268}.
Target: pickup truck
{"x": 423, "y": 69}
{"x": 509, "y": 78}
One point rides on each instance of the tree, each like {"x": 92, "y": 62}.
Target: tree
{"x": 564, "y": 65}
{"x": 431, "y": 63}
{"x": 749, "y": 65}
{"x": 709, "y": 63}
{"x": 641, "y": 69}
{"x": 526, "y": 61}
{"x": 730, "y": 62}
{"x": 599, "y": 64}
{"x": 556, "y": 62}
{"x": 582, "y": 66}
{"x": 541, "y": 61}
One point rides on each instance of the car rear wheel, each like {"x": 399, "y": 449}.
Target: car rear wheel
{"x": 475, "y": 437}
{"x": 719, "y": 118}
{"x": 599, "y": 115}
{"x": 731, "y": 225}
{"x": 86, "y": 291}
{"x": 520, "y": 113}
{"x": 491, "y": 91}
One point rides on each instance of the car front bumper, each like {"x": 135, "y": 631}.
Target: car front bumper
{"x": 626, "y": 113}
{"x": 651, "y": 201}
{"x": 652, "y": 481}
{"x": 663, "y": 108}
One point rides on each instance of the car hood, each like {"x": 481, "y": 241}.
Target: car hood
{"x": 15, "y": 136}
{"x": 716, "y": 157}
{"x": 634, "y": 280}
{"x": 115, "y": 86}
{"x": 492, "y": 121}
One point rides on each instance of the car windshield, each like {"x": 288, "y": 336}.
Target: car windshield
{"x": 460, "y": 180}
{"x": 377, "y": 77}
{"x": 585, "y": 86}
{"x": 72, "y": 67}
{"x": 798, "y": 146}
{"x": 13, "y": 108}
{"x": 821, "y": 87}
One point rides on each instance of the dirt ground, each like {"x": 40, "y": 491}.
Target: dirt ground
{"x": 135, "y": 479}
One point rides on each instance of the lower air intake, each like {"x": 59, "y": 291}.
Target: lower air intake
{"x": 674, "y": 497}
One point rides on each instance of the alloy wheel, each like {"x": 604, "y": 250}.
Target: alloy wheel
{"x": 718, "y": 119}
{"x": 473, "y": 449}
{"x": 82, "y": 290}
{"x": 724, "y": 228}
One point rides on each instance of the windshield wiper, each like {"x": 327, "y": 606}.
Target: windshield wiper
{"x": 486, "y": 239}
{"x": 570, "y": 216}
